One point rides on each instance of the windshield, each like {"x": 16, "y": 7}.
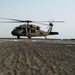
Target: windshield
{"x": 17, "y": 28}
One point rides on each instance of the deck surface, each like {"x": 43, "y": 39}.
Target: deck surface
{"x": 37, "y": 57}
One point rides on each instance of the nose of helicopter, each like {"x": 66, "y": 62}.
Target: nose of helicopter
{"x": 14, "y": 32}
{"x": 17, "y": 32}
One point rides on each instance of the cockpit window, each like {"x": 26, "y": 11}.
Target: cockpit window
{"x": 17, "y": 28}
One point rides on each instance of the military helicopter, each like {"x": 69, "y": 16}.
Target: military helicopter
{"x": 30, "y": 30}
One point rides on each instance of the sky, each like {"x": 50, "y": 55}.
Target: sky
{"x": 39, "y": 10}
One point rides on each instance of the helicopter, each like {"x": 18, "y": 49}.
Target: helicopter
{"x": 29, "y": 29}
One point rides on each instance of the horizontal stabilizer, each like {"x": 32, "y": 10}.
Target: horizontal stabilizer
{"x": 53, "y": 33}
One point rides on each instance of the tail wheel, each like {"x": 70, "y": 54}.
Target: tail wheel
{"x": 18, "y": 37}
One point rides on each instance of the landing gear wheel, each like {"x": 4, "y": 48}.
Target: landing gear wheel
{"x": 45, "y": 37}
{"x": 29, "y": 37}
{"x": 18, "y": 37}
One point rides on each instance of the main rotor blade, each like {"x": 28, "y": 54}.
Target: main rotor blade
{"x": 43, "y": 22}
{"x": 10, "y": 22}
{"x": 57, "y": 21}
{"x": 21, "y": 20}
{"x": 29, "y": 21}
{"x": 40, "y": 23}
{"x": 10, "y": 19}
{"x": 16, "y": 20}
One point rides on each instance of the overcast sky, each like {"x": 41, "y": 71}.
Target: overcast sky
{"x": 63, "y": 10}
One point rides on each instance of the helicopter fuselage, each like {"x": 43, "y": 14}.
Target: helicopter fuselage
{"x": 29, "y": 31}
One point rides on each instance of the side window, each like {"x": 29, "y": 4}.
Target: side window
{"x": 28, "y": 29}
{"x": 24, "y": 30}
{"x": 32, "y": 30}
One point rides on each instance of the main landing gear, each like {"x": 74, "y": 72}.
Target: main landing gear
{"x": 18, "y": 37}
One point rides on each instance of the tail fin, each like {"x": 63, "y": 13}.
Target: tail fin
{"x": 50, "y": 28}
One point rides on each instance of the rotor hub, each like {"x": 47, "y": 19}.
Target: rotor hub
{"x": 28, "y": 21}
